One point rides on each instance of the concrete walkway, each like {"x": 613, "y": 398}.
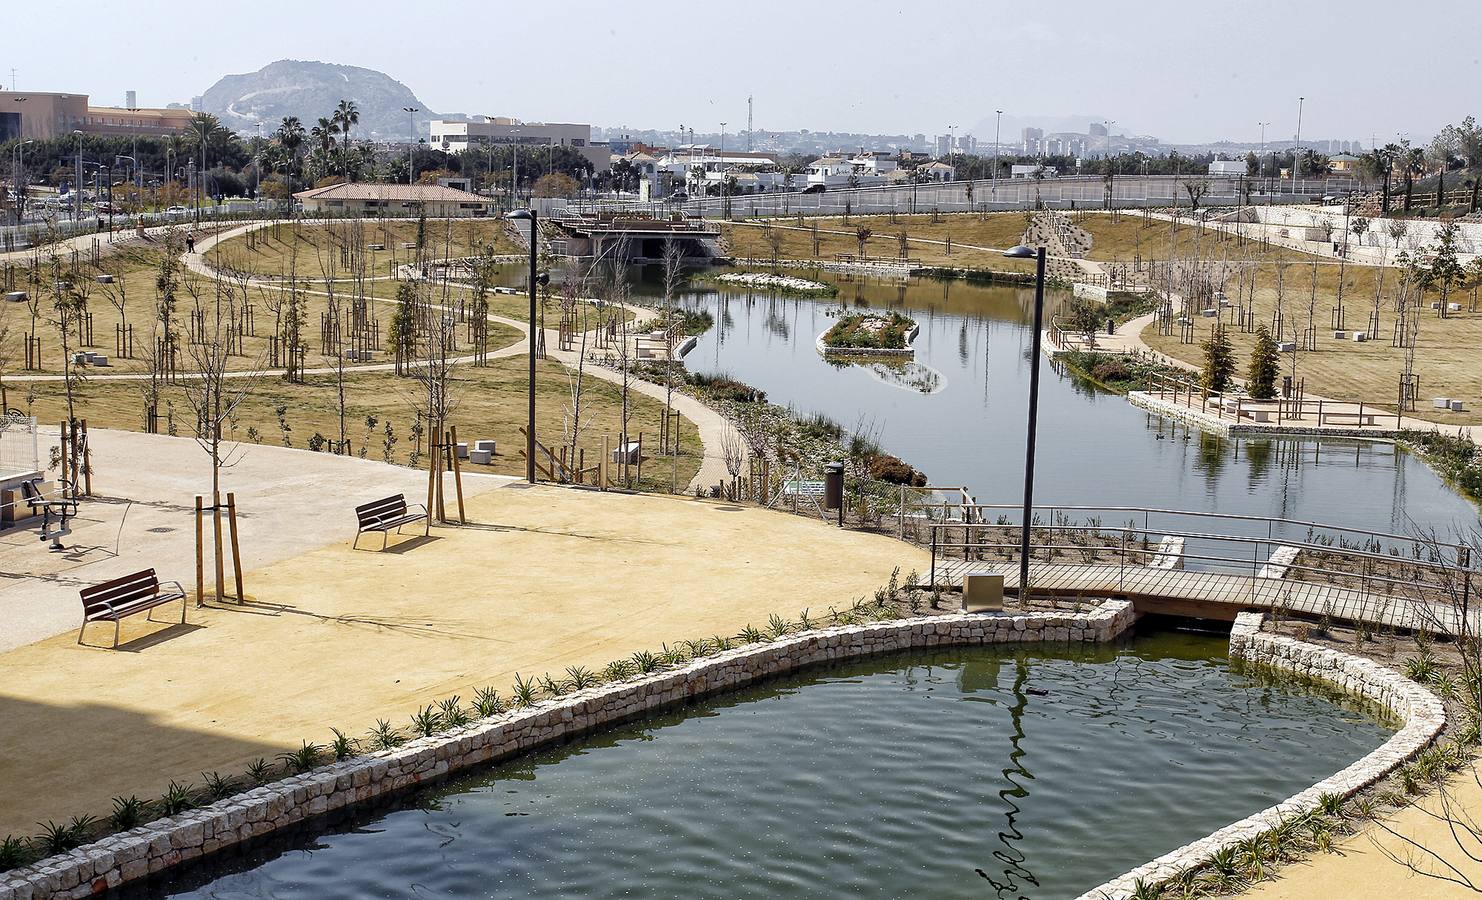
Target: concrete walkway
{"x": 143, "y": 516}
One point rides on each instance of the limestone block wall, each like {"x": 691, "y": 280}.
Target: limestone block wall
{"x": 178, "y": 839}
{"x": 1422, "y": 713}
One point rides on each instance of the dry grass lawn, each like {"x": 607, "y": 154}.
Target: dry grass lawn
{"x": 135, "y": 274}
{"x": 490, "y": 403}
{"x": 318, "y": 249}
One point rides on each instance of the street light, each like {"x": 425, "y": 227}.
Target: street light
{"x": 1297, "y": 151}
{"x": 997, "y": 127}
{"x": 77, "y": 198}
{"x": 536, "y": 279}
{"x": 411, "y": 112}
{"x": 1023, "y": 252}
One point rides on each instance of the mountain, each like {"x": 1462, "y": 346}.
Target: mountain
{"x": 291, "y": 87}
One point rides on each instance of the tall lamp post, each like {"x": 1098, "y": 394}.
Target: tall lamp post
{"x": 997, "y": 130}
{"x": 536, "y": 279}
{"x": 1023, "y": 252}
{"x": 411, "y": 112}
{"x": 77, "y": 195}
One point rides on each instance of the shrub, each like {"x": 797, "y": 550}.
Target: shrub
{"x": 128, "y": 812}
{"x": 894, "y": 470}
{"x": 1111, "y": 371}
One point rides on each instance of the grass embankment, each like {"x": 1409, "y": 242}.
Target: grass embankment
{"x": 380, "y": 413}
{"x": 1305, "y": 287}
{"x": 977, "y": 242}
{"x": 1455, "y": 458}
{"x": 315, "y": 249}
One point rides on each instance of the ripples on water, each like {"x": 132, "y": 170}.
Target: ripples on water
{"x": 964, "y": 773}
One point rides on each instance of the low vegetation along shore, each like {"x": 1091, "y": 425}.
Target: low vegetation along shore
{"x": 864, "y": 332}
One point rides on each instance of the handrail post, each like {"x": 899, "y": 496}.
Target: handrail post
{"x": 933, "y": 556}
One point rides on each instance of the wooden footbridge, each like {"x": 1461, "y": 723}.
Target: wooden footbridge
{"x": 1165, "y": 567}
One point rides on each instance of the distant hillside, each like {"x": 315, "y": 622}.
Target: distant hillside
{"x": 312, "y": 89}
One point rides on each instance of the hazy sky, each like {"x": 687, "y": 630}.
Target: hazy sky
{"x": 1184, "y": 71}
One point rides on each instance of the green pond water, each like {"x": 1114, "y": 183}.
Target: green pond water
{"x": 995, "y": 772}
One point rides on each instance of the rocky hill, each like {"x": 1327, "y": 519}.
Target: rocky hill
{"x": 309, "y": 90}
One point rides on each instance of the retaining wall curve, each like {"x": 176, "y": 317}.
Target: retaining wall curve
{"x": 162, "y": 844}
{"x": 1418, "y": 708}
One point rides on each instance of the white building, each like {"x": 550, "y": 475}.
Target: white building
{"x": 455, "y": 137}
{"x": 937, "y": 171}
{"x": 1029, "y": 170}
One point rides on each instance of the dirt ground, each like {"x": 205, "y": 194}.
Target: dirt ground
{"x": 547, "y": 578}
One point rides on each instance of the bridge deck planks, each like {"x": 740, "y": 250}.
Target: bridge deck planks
{"x": 1228, "y": 592}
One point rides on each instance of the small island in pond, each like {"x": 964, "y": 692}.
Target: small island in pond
{"x": 869, "y": 334}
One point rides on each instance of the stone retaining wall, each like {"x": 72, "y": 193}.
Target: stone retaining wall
{"x": 1422, "y": 713}
{"x": 178, "y": 839}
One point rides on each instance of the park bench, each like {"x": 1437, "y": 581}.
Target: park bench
{"x": 112, "y": 600}
{"x": 385, "y": 515}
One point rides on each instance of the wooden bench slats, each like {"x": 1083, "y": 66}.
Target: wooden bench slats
{"x": 385, "y": 514}
{"x": 114, "y": 600}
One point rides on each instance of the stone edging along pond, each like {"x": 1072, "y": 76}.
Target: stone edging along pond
{"x": 171, "y": 841}
{"x": 162, "y": 844}
{"x": 1423, "y": 715}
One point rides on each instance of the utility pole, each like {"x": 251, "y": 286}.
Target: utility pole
{"x": 748, "y": 123}
{"x": 411, "y": 112}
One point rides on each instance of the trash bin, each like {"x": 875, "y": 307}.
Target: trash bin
{"x": 833, "y": 486}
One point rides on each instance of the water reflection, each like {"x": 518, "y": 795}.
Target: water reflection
{"x": 1095, "y": 448}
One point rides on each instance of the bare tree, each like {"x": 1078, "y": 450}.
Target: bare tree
{"x": 673, "y": 275}
{"x": 1443, "y": 597}
{"x": 212, "y": 390}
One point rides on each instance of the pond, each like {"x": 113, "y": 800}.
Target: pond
{"x": 959, "y": 415}
{"x": 1008, "y": 772}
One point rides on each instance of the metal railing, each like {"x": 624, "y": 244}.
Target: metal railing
{"x": 1408, "y": 580}
{"x": 1281, "y": 410}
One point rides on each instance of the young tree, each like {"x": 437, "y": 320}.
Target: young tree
{"x": 1265, "y": 364}
{"x": 1196, "y": 189}
{"x": 1445, "y": 269}
{"x": 862, "y": 235}
{"x": 1219, "y": 362}
{"x": 401, "y": 336}
{"x": 673, "y": 274}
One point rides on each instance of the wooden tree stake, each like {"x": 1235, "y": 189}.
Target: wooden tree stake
{"x": 231, "y": 508}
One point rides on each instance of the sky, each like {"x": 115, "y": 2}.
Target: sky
{"x": 1182, "y": 71}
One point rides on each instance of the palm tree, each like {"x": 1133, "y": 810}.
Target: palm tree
{"x": 205, "y": 130}
{"x": 347, "y": 116}
{"x": 1412, "y": 163}
{"x": 291, "y": 136}
{"x": 324, "y": 131}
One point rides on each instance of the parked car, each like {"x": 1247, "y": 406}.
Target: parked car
{"x": 176, "y": 211}
{"x": 815, "y": 188}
